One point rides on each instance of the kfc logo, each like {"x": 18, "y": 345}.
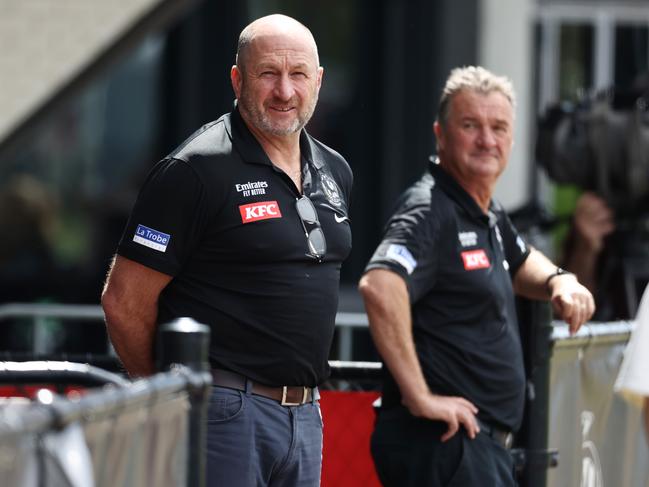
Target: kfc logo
{"x": 475, "y": 259}
{"x": 262, "y": 210}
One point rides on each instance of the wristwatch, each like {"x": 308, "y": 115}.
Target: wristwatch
{"x": 558, "y": 272}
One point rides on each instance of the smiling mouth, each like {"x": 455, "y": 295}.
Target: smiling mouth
{"x": 284, "y": 110}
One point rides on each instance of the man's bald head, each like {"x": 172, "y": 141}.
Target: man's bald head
{"x": 273, "y": 25}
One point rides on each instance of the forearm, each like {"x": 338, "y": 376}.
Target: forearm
{"x": 537, "y": 278}
{"x": 592, "y": 222}
{"x": 388, "y": 308}
{"x": 132, "y": 335}
{"x": 130, "y": 302}
{"x": 394, "y": 342}
{"x": 530, "y": 280}
{"x": 391, "y": 329}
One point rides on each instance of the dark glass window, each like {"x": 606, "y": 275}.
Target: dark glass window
{"x": 631, "y": 53}
{"x": 66, "y": 191}
{"x": 576, "y": 60}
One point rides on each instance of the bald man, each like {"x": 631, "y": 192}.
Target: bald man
{"x": 244, "y": 227}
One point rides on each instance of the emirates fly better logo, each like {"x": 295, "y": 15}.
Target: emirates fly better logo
{"x": 262, "y": 210}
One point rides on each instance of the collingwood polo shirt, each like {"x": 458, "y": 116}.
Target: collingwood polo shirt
{"x": 458, "y": 264}
{"x": 221, "y": 219}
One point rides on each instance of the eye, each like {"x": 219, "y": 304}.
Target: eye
{"x": 298, "y": 74}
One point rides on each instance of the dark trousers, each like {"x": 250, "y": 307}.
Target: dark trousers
{"x": 253, "y": 441}
{"x": 407, "y": 451}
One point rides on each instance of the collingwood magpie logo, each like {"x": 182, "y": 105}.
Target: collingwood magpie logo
{"x": 251, "y": 188}
{"x": 330, "y": 189}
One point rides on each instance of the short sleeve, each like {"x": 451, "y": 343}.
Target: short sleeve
{"x": 168, "y": 218}
{"x": 516, "y": 249}
{"x": 409, "y": 248}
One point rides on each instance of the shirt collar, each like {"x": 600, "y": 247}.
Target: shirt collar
{"x": 453, "y": 189}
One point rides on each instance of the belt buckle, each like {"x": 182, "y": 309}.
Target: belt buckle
{"x": 286, "y": 403}
{"x": 508, "y": 440}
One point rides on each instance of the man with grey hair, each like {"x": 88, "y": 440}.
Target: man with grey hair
{"x": 244, "y": 227}
{"x": 439, "y": 293}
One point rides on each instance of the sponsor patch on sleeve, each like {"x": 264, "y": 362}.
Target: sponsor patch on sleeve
{"x": 402, "y": 256}
{"x": 475, "y": 259}
{"x": 151, "y": 238}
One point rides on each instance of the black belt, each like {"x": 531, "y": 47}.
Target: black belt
{"x": 285, "y": 395}
{"x": 503, "y": 437}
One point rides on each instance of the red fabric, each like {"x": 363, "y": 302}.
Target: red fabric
{"x": 348, "y": 422}
{"x": 29, "y": 391}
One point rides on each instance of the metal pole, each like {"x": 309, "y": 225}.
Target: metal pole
{"x": 186, "y": 342}
{"x": 536, "y": 333}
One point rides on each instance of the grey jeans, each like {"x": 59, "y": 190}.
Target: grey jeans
{"x": 254, "y": 441}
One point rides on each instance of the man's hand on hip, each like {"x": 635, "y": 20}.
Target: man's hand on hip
{"x": 454, "y": 411}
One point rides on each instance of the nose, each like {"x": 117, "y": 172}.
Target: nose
{"x": 487, "y": 137}
{"x": 284, "y": 87}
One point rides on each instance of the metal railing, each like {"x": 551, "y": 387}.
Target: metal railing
{"x": 58, "y": 372}
{"x": 46, "y": 310}
{"x": 164, "y": 409}
{"x": 592, "y": 332}
{"x": 346, "y": 323}
{"x": 545, "y": 337}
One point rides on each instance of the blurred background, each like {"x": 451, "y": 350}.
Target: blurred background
{"x": 93, "y": 93}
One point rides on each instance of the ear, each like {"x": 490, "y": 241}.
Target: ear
{"x": 439, "y": 135}
{"x": 320, "y": 74}
{"x": 235, "y": 79}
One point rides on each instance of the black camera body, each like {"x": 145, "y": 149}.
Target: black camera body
{"x": 601, "y": 144}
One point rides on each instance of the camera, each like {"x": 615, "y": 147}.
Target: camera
{"x": 601, "y": 144}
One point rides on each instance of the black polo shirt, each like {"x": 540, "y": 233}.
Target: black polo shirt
{"x": 458, "y": 264}
{"x": 221, "y": 219}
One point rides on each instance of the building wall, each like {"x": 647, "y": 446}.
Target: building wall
{"x": 505, "y": 47}
{"x": 46, "y": 43}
